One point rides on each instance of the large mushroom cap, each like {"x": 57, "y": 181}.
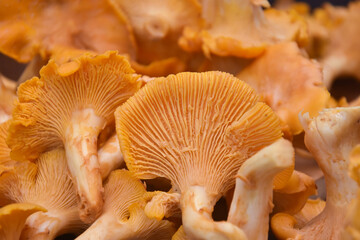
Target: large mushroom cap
{"x": 68, "y": 106}
{"x": 28, "y": 28}
{"x": 289, "y": 82}
{"x": 195, "y": 129}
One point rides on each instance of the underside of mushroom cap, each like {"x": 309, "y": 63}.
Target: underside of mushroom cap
{"x": 5, "y": 159}
{"x": 123, "y": 216}
{"x": 28, "y": 28}
{"x": 194, "y": 129}
{"x": 28, "y": 182}
{"x": 46, "y": 104}
{"x": 68, "y": 107}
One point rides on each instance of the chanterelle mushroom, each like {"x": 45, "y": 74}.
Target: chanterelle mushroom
{"x": 330, "y": 137}
{"x": 123, "y": 216}
{"x": 32, "y": 27}
{"x": 68, "y": 106}
{"x": 195, "y": 129}
{"x": 252, "y": 201}
{"x": 13, "y": 217}
{"x": 241, "y": 28}
{"x": 5, "y": 159}
{"x": 291, "y": 89}
{"x": 48, "y": 184}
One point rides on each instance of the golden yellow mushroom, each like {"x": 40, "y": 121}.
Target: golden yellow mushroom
{"x": 195, "y": 129}
{"x": 68, "y": 106}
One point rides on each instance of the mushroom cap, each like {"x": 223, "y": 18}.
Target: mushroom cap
{"x": 241, "y": 28}
{"x": 29, "y": 27}
{"x": 288, "y": 81}
{"x": 158, "y": 24}
{"x": 292, "y": 197}
{"x": 13, "y": 217}
{"x": 45, "y": 105}
{"x": 194, "y": 129}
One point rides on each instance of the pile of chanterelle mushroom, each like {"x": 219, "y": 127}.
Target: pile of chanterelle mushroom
{"x": 178, "y": 119}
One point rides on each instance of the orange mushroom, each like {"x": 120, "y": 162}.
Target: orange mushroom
{"x": 195, "y": 129}
{"x": 158, "y": 24}
{"x": 288, "y": 81}
{"x": 330, "y": 137}
{"x": 47, "y": 183}
{"x": 241, "y": 28}
{"x": 31, "y": 27}
{"x": 68, "y": 106}
{"x": 123, "y": 216}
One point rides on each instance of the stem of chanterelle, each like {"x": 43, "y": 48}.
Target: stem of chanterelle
{"x": 197, "y": 206}
{"x": 252, "y": 201}
{"x": 81, "y": 153}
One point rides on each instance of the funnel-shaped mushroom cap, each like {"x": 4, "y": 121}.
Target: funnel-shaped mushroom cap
{"x": 294, "y": 195}
{"x": 343, "y": 57}
{"x": 7, "y": 98}
{"x": 47, "y": 183}
{"x": 68, "y": 106}
{"x": 330, "y": 137}
{"x": 252, "y": 201}
{"x": 31, "y": 27}
{"x": 241, "y": 28}
{"x": 13, "y": 217}
{"x": 195, "y": 129}
{"x": 122, "y": 216}
{"x": 158, "y": 24}
{"x": 289, "y": 82}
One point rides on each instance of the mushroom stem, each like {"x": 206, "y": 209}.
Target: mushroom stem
{"x": 252, "y": 202}
{"x": 43, "y": 226}
{"x": 110, "y": 156}
{"x": 81, "y": 152}
{"x": 197, "y": 206}
{"x": 100, "y": 229}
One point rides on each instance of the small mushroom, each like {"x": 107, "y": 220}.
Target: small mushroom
{"x": 288, "y": 81}
{"x": 242, "y": 28}
{"x": 46, "y": 182}
{"x": 330, "y": 137}
{"x": 13, "y": 217}
{"x": 252, "y": 201}
{"x": 123, "y": 216}
{"x": 195, "y": 129}
{"x": 68, "y": 106}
